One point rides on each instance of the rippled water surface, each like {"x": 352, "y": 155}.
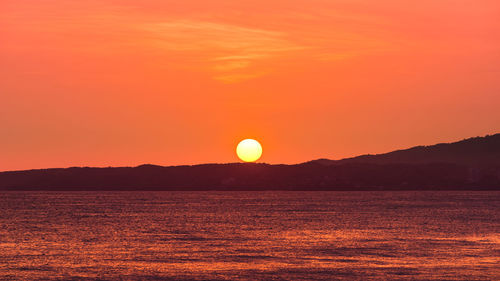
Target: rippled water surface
{"x": 249, "y": 235}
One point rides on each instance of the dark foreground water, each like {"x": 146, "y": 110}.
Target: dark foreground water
{"x": 249, "y": 235}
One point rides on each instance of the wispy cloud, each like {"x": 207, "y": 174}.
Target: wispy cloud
{"x": 225, "y": 48}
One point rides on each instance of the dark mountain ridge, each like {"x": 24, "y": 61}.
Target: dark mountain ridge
{"x": 477, "y": 151}
{"x": 471, "y": 164}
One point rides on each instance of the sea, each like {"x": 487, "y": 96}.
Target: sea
{"x": 268, "y": 235}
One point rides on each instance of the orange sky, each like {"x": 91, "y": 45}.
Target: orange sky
{"x": 112, "y": 83}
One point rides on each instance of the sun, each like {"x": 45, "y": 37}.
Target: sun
{"x": 249, "y": 150}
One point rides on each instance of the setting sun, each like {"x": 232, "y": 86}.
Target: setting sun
{"x": 249, "y": 150}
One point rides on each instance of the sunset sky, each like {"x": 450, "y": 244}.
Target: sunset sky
{"x": 115, "y": 83}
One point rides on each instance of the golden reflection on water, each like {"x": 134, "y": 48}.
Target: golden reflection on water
{"x": 250, "y": 236}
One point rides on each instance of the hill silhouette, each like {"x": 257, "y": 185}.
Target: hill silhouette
{"x": 477, "y": 152}
{"x": 471, "y": 164}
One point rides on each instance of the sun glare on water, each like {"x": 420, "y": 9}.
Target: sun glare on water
{"x": 249, "y": 150}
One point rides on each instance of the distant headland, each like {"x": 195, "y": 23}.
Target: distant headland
{"x": 470, "y": 164}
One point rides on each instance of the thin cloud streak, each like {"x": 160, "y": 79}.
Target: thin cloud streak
{"x": 225, "y": 47}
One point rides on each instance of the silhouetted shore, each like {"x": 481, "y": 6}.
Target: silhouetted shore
{"x": 472, "y": 164}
